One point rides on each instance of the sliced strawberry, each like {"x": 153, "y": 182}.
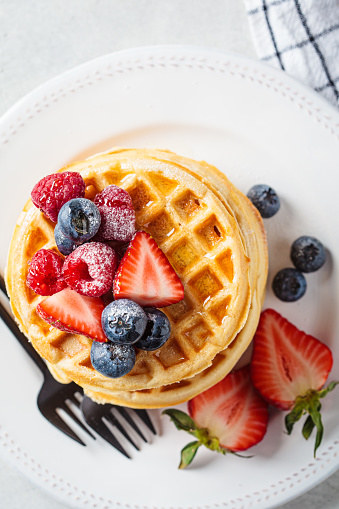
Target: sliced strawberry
{"x": 71, "y": 312}
{"x": 289, "y": 368}
{"x": 146, "y": 276}
{"x": 231, "y": 410}
{"x": 229, "y": 417}
{"x": 286, "y": 362}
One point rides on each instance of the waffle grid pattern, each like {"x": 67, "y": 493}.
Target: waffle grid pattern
{"x": 203, "y": 244}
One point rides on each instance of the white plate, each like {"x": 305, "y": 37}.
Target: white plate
{"x": 257, "y": 125}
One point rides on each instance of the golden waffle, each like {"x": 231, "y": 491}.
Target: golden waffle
{"x": 254, "y": 235}
{"x": 200, "y": 237}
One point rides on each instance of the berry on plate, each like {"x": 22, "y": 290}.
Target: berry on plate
{"x": 230, "y": 417}
{"x": 51, "y": 192}
{"x": 117, "y": 214}
{"x": 65, "y": 245}
{"x": 79, "y": 220}
{"x": 71, "y": 312}
{"x": 123, "y": 321}
{"x": 265, "y": 199}
{"x": 289, "y": 285}
{"x": 157, "y": 332}
{"x": 307, "y": 254}
{"x": 45, "y": 273}
{"x": 146, "y": 276}
{"x": 90, "y": 269}
{"x": 289, "y": 368}
{"x": 112, "y": 360}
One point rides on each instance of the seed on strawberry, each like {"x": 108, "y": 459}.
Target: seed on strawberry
{"x": 229, "y": 417}
{"x": 74, "y": 313}
{"x": 51, "y": 192}
{"x": 45, "y": 273}
{"x": 289, "y": 368}
{"x": 146, "y": 276}
{"x": 90, "y": 268}
{"x": 117, "y": 214}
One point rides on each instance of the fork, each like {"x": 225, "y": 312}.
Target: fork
{"x": 96, "y": 415}
{"x": 54, "y": 395}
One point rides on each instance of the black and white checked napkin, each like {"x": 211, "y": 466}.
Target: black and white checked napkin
{"x": 300, "y": 37}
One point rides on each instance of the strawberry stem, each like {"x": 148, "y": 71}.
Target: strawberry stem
{"x": 309, "y": 403}
{"x": 184, "y": 422}
{"x": 188, "y": 453}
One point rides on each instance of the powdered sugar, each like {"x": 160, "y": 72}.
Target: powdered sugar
{"x": 117, "y": 214}
{"x": 90, "y": 269}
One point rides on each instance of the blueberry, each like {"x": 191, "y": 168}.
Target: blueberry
{"x": 265, "y": 199}
{"x": 65, "y": 245}
{"x": 289, "y": 285}
{"x": 157, "y": 332}
{"x": 79, "y": 220}
{"x": 123, "y": 321}
{"x": 112, "y": 360}
{"x": 307, "y": 254}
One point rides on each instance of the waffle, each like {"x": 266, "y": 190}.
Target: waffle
{"x": 251, "y": 226}
{"x": 200, "y": 237}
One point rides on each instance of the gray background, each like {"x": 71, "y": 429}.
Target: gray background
{"x": 42, "y": 38}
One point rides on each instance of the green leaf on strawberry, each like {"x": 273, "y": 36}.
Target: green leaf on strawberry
{"x": 227, "y": 418}
{"x": 289, "y": 368}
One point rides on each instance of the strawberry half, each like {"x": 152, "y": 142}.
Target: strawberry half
{"x": 146, "y": 276}
{"x": 289, "y": 368}
{"x": 229, "y": 417}
{"x": 71, "y": 312}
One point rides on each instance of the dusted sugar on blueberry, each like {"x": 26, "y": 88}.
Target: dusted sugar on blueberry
{"x": 53, "y": 191}
{"x": 265, "y": 199}
{"x": 157, "y": 332}
{"x": 45, "y": 273}
{"x": 90, "y": 268}
{"x": 112, "y": 360}
{"x": 289, "y": 285}
{"x": 308, "y": 254}
{"x": 117, "y": 214}
{"x": 79, "y": 220}
{"x": 123, "y": 321}
{"x": 65, "y": 245}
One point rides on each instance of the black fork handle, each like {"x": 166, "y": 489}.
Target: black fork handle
{"x": 8, "y": 320}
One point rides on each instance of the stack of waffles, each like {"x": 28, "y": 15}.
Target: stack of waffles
{"x": 215, "y": 241}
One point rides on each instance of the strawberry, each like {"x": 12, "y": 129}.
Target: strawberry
{"x": 289, "y": 368}
{"x": 229, "y": 417}
{"x": 71, "y": 312}
{"x": 146, "y": 276}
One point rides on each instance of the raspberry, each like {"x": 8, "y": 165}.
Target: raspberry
{"x": 45, "y": 273}
{"x": 117, "y": 214}
{"x": 90, "y": 269}
{"x": 53, "y": 191}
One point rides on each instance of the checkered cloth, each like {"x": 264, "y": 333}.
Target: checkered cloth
{"x": 300, "y": 37}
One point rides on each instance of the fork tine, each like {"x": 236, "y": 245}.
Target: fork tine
{"x": 71, "y": 414}
{"x": 102, "y": 430}
{"x": 128, "y": 418}
{"x": 145, "y": 418}
{"x": 55, "y": 419}
{"x": 113, "y": 420}
{"x": 74, "y": 400}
